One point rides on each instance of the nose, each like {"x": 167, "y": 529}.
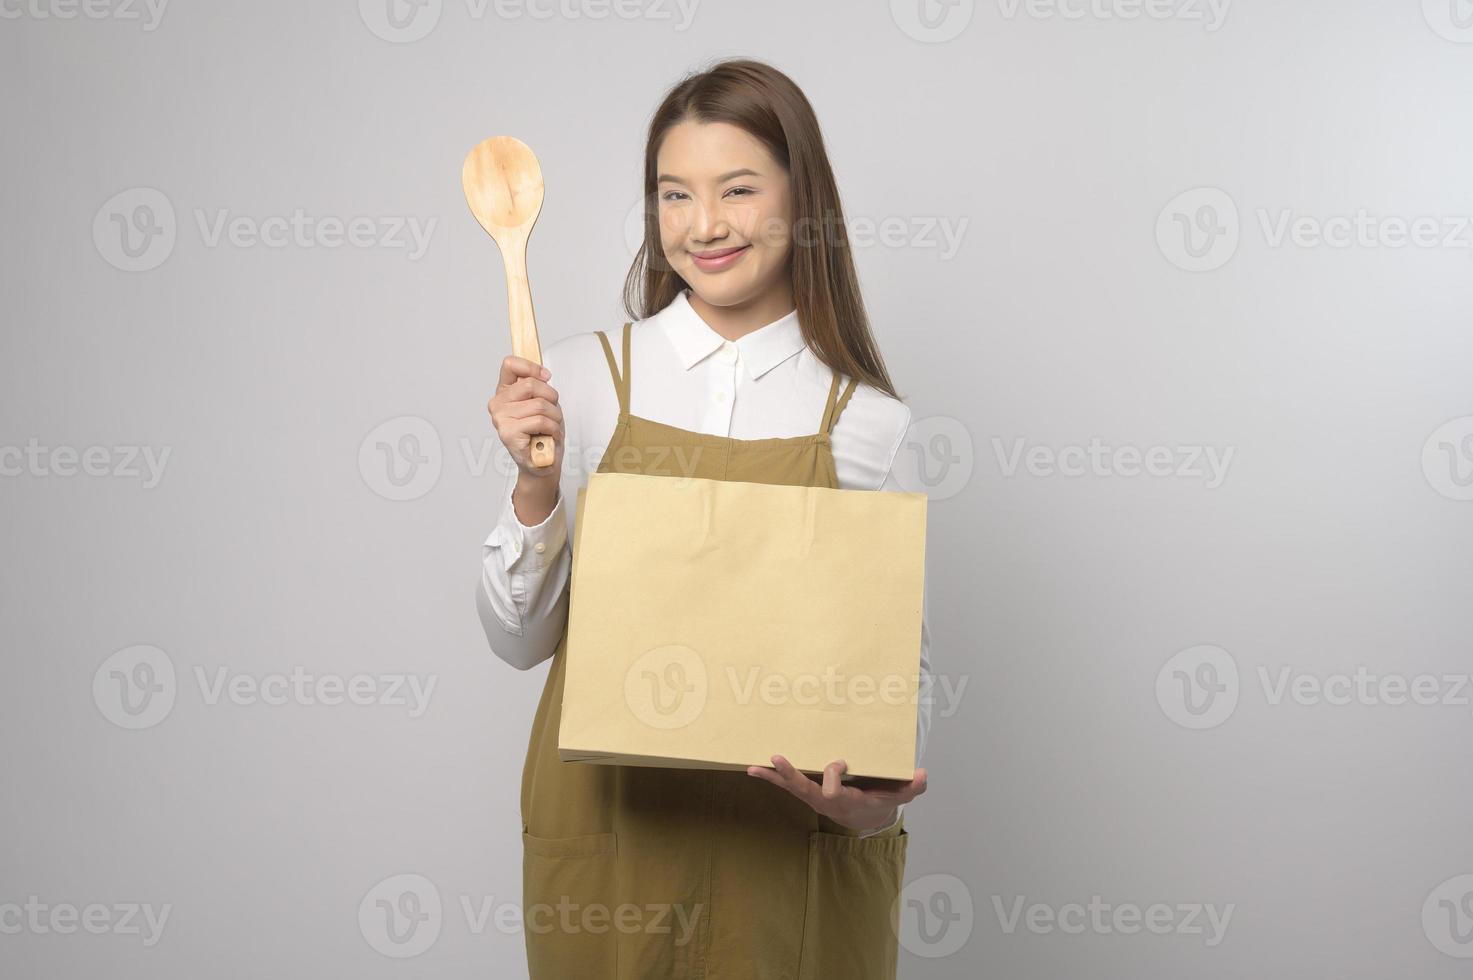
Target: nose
{"x": 709, "y": 223}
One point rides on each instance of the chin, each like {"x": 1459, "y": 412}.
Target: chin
{"x": 721, "y": 289}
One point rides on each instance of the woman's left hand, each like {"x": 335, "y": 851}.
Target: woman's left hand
{"x": 860, "y": 808}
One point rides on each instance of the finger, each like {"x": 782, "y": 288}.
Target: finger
{"x": 513, "y": 367}
{"x": 536, "y": 425}
{"x": 833, "y": 778}
{"x": 532, "y": 406}
{"x": 766, "y": 775}
{"x": 772, "y": 776}
{"x": 898, "y": 792}
{"x": 524, "y": 388}
{"x": 798, "y": 782}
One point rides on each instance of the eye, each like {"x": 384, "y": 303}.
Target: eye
{"x": 666, "y": 196}
{"x": 745, "y": 191}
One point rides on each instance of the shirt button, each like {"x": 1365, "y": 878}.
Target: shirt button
{"x": 540, "y": 547}
{"x": 729, "y": 352}
{"x": 721, "y": 396}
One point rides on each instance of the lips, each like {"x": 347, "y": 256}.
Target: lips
{"x": 719, "y": 258}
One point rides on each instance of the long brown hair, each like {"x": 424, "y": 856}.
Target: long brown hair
{"x": 766, "y": 103}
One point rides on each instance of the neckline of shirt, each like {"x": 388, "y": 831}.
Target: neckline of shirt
{"x": 760, "y": 350}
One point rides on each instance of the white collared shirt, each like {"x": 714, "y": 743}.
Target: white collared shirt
{"x": 762, "y": 385}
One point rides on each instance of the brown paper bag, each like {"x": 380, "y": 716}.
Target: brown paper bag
{"x": 713, "y": 624}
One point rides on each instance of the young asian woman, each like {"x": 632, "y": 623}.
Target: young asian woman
{"x": 748, "y": 340}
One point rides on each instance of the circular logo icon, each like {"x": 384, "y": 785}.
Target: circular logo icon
{"x": 135, "y": 687}
{"x": 936, "y": 457}
{"x": 932, "y": 21}
{"x": 1447, "y": 917}
{"x": 135, "y": 230}
{"x": 936, "y": 916}
{"x": 400, "y": 916}
{"x": 634, "y": 226}
{"x": 401, "y": 458}
{"x": 1447, "y": 458}
{"x": 1451, "y": 19}
{"x": 1198, "y": 687}
{"x": 1198, "y": 229}
{"x": 400, "y": 21}
{"x": 666, "y": 688}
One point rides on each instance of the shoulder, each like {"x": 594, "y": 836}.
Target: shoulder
{"x": 870, "y": 430}
{"x": 581, "y": 353}
{"x": 578, "y": 352}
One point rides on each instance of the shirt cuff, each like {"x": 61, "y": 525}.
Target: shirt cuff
{"x": 529, "y": 548}
{"x": 899, "y": 816}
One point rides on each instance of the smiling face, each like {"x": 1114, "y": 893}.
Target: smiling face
{"x": 725, "y": 212}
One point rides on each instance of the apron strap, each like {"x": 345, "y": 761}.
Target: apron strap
{"x": 621, "y": 382}
{"x": 833, "y": 409}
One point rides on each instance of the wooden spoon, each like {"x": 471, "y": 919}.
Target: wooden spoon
{"x": 503, "y": 186}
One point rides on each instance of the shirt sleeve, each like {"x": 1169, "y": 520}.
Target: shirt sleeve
{"x": 522, "y": 597}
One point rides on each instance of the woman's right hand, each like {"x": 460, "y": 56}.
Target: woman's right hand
{"x": 524, "y": 407}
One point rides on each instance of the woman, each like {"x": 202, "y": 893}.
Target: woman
{"x": 751, "y": 344}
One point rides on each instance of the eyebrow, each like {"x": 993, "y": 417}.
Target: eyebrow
{"x": 720, "y": 180}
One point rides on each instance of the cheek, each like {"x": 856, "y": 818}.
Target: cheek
{"x": 772, "y": 229}
{"x": 672, "y": 226}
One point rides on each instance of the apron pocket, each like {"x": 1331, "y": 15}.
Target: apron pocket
{"x": 850, "y": 921}
{"x": 567, "y": 906}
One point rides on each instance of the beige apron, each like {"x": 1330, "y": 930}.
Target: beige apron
{"x": 633, "y": 873}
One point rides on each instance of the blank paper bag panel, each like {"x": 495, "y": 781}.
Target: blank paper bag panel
{"x": 713, "y": 624}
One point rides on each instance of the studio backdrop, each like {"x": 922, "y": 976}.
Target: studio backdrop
{"x": 1178, "y": 293}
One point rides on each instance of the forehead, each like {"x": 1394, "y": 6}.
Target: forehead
{"x": 696, "y": 150}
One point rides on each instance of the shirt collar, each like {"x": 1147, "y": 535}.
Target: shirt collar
{"x": 760, "y": 350}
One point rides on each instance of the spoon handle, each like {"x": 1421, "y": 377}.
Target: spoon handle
{"x": 524, "y": 330}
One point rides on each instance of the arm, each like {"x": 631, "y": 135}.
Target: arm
{"x": 522, "y": 598}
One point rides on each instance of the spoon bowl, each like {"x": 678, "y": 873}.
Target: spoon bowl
{"x": 502, "y": 181}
